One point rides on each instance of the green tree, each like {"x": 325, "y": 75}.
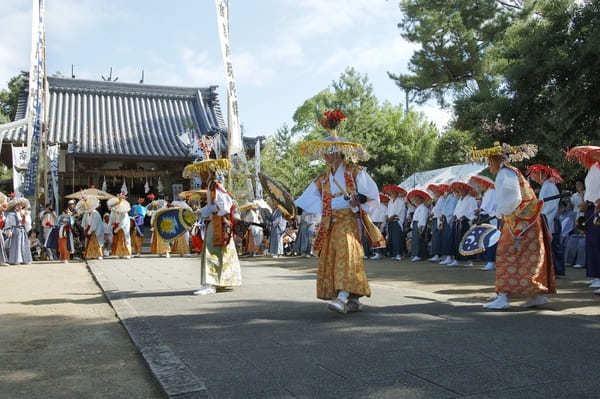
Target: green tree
{"x": 398, "y": 144}
{"x": 455, "y": 37}
{"x": 9, "y": 98}
{"x": 451, "y": 148}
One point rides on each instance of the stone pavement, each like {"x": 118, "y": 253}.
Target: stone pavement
{"x": 60, "y": 339}
{"x": 272, "y": 338}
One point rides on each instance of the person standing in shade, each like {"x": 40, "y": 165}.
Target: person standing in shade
{"x": 379, "y": 218}
{"x": 278, "y": 226}
{"x": 486, "y": 213}
{"x": 447, "y": 211}
{"x": 524, "y": 255}
{"x": 547, "y": 178}
{"x": 396, "y": 218}
{"x": 589, "y": 157}
{"x": 464, "y": 215}
{"x": 436, "y": 221}
{"x": 419, "y": 223}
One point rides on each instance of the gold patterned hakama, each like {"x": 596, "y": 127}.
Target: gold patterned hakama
{"x": 219, "y": 266}
{"x": 119, "y": 245}
{"x": 341, "y": 265}
{"x": 180, "y": 245}
{"x": 159, "y": 246}
{"x": 93, "y": 250}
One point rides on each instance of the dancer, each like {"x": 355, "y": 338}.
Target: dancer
{"x": 464, "y": 215}
{"x": 523, "y": 258}
{"x": 3, "y": 206}
{"x": 120, "y": 225}
{"x": 447, "y": 211}
{"x": 379, "y": 218}
{"x": 278, "y": 226}
{"x": 92, "y": 226}
{"x": 338, "y": 195}
{"x": 436, "y": 221}
{"x": 219, "y": 264}
{"x": 255, "y": 232}
{"x": 16, "y": 227}
{"x": 137, "y": 213}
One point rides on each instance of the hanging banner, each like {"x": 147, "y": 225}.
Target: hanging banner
{"x": 53, "y": 168}
{"x": 20, "y": 158}
{"x": 259, "y": 191}
{"x": 36, "y": 101}
{"x": 234, "y": 131}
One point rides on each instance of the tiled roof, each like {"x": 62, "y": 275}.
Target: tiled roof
{"x": 122, "y": 119}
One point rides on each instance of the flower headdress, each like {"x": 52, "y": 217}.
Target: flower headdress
{"x": 206, "y": 165}
{"x": 483, "y": 181}
{"x": 119, "y": 204}
{"x": 508, "y": 152}
{"x": 586, "y": 155}
{"x": 316, "y": 149}
{"x": 87, "y": 204}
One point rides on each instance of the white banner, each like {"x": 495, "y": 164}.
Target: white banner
{"x": 234, "y": 131}
{"x": 53, "y": 168}
{"x": 36, "y": 104}
{"x": 20, "y": 158}
{"x": 259, "y": 192}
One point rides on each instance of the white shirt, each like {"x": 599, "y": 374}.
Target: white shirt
{"x": 311, "y": 200}
{"x": 488, "y": 202}
{"x": 550, "y": 208}
{"x": 421, "y": 215}
{"x": 397, "y": 208}
{"x": 576, "y": 200}
{"x": 449, "y": 206}
{"x": 223, "y": 203}
{"x": 465, "y": 207}
{"x": 508, "y": 192}
{"x": 379, "y": 213}
{"x": 96, "y": 226}
{"x": 438, "y": 208}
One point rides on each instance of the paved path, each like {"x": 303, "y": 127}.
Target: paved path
{"x": 60, "y": 339}
{"x": 272, "y": 338}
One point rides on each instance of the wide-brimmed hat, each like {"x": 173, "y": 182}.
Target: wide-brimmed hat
{"x": 461, "y": 185}
{"x": 508, "y": 152}
{"x": 317, "y": 149}
{"x": 586, "y": 155}
{"x": 418, "y": 193}
{"x": 384, "y": 197}
{"x": 483, "y": 181}
{"x": 394, "y": 188}
{"x": 552, "y": 173}
{"x": 207, "y": 164}
{"x": 87, "y": 204}
{"x": 24, "y": 202}
{"x": 119, "y": 204}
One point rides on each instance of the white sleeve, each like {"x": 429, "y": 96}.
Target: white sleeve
{"x": 422, "y": 222}
{"x": 310, "y": 200}
{"x": 471, "y": 207}
{"x": 366, "y": 186}
{"x": 551, "y": 207}
{"x": 592, "y": 184}
{"x": 508, "y": 192}
{"x": 223, "y": 202}
{"x": 27, "y": 222}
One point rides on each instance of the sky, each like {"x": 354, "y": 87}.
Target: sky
{"x": 283, "y": 51}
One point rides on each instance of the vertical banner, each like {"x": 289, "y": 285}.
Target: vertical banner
{"x": 36, "y": 101}
{"x": 259, "y": 192}
{"x": 20, "y": 158}
{"x": 234, "y": 131}
{"x": 53, "y": 167}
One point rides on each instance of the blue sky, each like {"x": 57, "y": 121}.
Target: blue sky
{"x": 283, "y": 51}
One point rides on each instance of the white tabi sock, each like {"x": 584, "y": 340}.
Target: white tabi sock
{"x": 343, "y": 296}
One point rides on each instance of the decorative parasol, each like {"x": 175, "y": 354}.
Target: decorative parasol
{"x": 181, "y": 204}
{"x": 193, "y": 195}
{"x": 170, "y": 223}
{"x": 586, "y": 155}
{"x": 90, "y": 192}
{"x": 279, "y": 194}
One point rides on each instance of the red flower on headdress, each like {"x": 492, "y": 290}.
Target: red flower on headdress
{"x": 332, "y": 119}
{"x": 151, "y": 197}
{"x": 48, "y": 224}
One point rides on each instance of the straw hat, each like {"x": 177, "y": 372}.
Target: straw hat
{"x": 507, "y": 152}
{"x": 552, "y": 173}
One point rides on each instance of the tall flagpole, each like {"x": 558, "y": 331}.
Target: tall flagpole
{"x": 36, "y": 102}
{"x": 234, "y": 131}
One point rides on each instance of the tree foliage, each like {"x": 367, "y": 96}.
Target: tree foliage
{"x": 9, "y": 98}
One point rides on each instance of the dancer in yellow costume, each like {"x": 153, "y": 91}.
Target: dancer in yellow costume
{"x": 92, "y": 226}
{"x": 220, "y": 266}
{"x": 120, "y": 225}
{"x": 339, "y": 195}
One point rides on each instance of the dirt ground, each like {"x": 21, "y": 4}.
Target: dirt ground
{"x": 60, "y": 339}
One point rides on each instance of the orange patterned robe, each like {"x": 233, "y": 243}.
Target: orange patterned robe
{"x": 524, "y": 257}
